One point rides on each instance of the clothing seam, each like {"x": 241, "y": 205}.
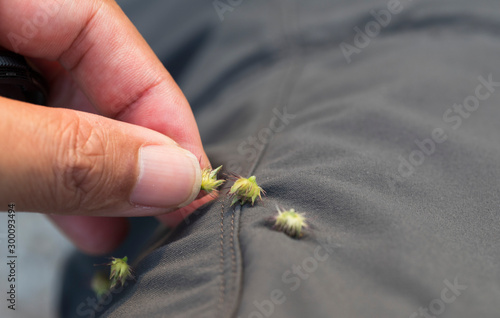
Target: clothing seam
{"x": 235, "y": 251}
{"x": 290, "y": 81}
{"x": 231, "y": 244}
{"x": 222, "y": 291}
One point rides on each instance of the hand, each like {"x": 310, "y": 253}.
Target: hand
{"x": 123, "y": 140}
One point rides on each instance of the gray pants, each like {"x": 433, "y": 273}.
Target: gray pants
{"x": 380, "y": 120}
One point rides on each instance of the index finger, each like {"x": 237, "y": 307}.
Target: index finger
{"x": 107, "y": 57}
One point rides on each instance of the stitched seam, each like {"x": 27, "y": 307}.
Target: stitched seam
{"x": 287, "y": 88}
{"x": 288, "y": 84}
{"x": 221, "y": 264}
{"x": 231, "y": 244}
{"x": 236, "y": 260}
{"x": 234, "y": 272}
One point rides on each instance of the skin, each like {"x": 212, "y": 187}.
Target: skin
{"x": 109, "y": 87}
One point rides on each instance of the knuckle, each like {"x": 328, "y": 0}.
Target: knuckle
{"x": 80, "y": 163}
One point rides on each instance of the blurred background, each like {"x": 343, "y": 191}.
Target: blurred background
{"x": 41, "y": 253}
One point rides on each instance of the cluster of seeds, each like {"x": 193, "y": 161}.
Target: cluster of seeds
{"x": 244, "y": 190}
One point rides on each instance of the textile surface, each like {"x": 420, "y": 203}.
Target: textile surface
{"x": 377, "y": 119}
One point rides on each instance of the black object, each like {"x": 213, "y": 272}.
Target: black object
{"x": 19, "y": 81}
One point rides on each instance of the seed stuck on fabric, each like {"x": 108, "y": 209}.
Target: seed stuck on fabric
{"x": 100, "y": 284}
{"x": 290, "y": 222}
{"x": 209, "y": 182}
{"x": 246, "y": 190}
{"x": 120, "y": 271}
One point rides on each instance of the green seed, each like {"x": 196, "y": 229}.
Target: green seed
{"x": 209, "y": 182}
{"x": 290, "y": 222}
{"x": 246, "y": 190}
{"x": 100, "y": 284}
{"x": 120, "y": 271}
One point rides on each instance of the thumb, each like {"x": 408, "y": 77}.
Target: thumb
{"x": 63, "y": 161}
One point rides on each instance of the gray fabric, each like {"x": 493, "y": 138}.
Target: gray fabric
{"x": 387, "y": 238}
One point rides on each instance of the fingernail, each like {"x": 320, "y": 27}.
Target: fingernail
{"x": 169, "y": 176}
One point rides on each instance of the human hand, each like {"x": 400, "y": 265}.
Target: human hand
{"x": 104, "y": 151}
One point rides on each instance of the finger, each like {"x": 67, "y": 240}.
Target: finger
{"x": 184, "y": 131}
{"x": 175, "y": 218}
{"x": 92, "y": 235}
{"x": 64, "y": 91}
{"x": 68, "y": 162}
{"x": 107, "y": 57}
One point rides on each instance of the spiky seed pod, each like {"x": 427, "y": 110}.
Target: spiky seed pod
{"x": 209, "y": 182}
{"x": 120, "y": 271}
{"x": 246, "y": 190}
{"x": 290, "y": 222}
{"x": 100, "y": 284}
